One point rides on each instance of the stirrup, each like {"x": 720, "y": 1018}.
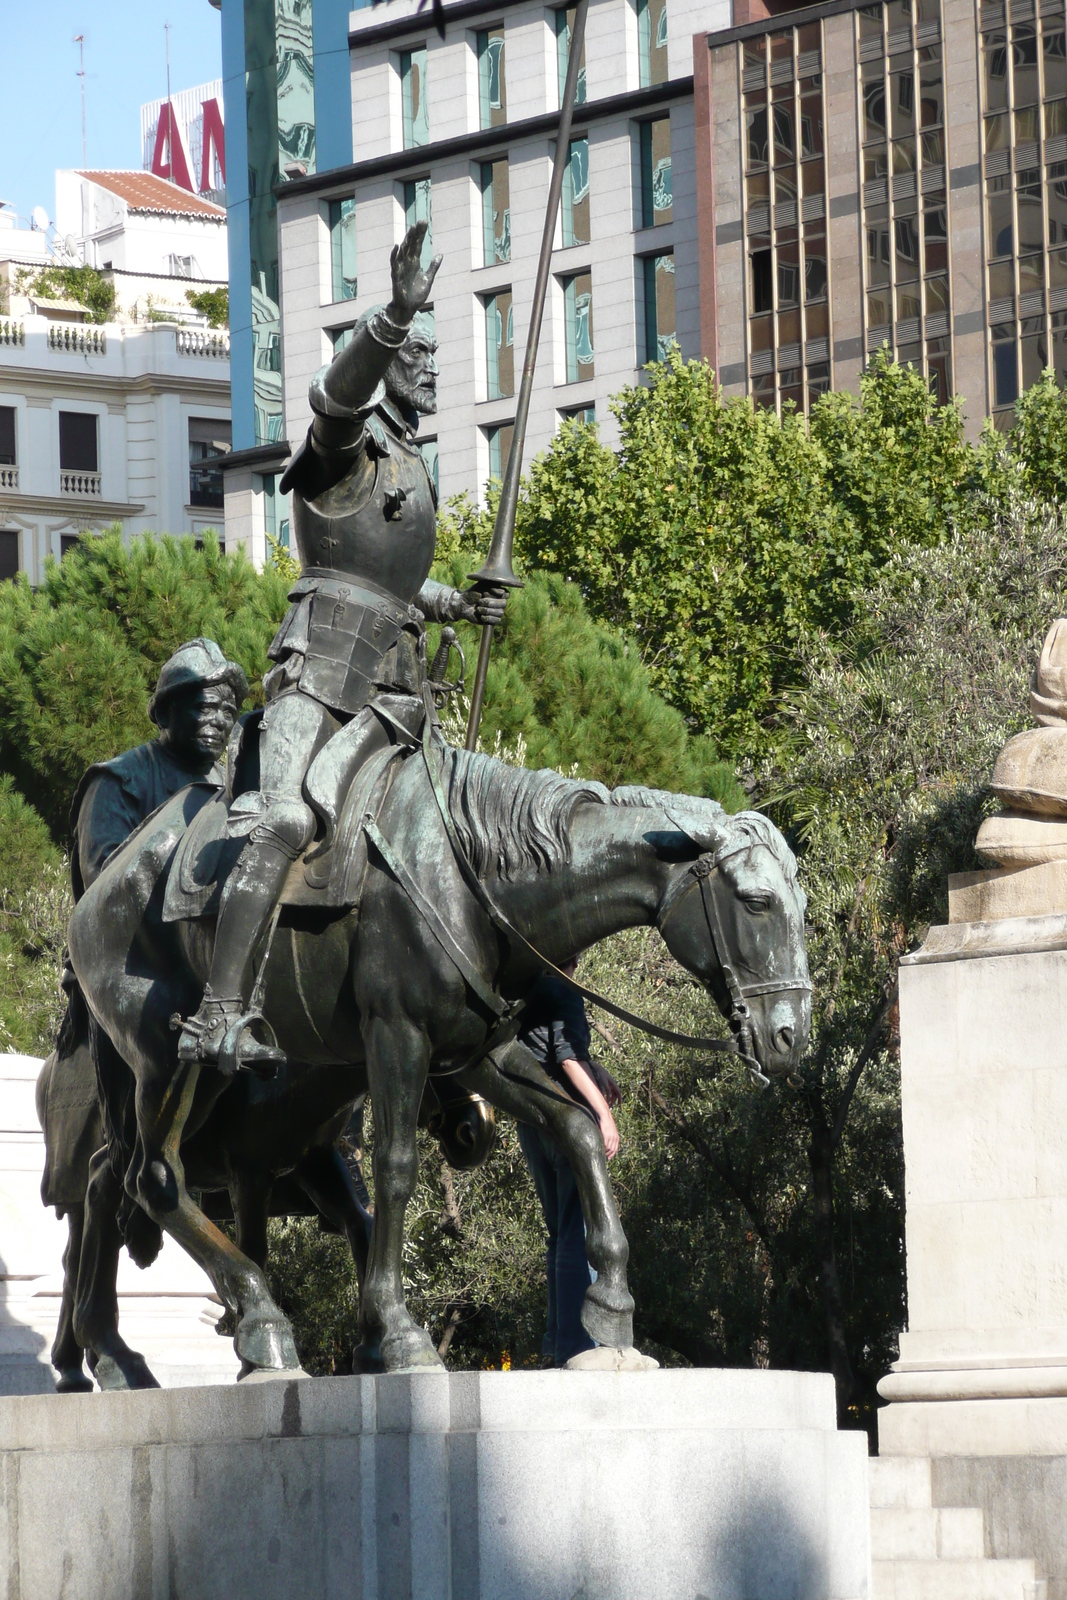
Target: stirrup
{"x": 227, "y": 1041}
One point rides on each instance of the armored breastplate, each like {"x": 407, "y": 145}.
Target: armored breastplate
{"x": 378, "y": 523}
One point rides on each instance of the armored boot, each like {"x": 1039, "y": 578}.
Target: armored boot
{"x": 247, "y": 903}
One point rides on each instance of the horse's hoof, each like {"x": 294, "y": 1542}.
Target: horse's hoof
{"x": 266, "y": 1342}
{"x": 127, "y": 1369}
{"x": 249, "y": 1374}
{"x": 606, "y": 1359}
{"x": 367, "y": 1358}
{"x": 73, "y": 1380}
{"x": 410, "y": 1351}
{"x": 609, "y": 1319}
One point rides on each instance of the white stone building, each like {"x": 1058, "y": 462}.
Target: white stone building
{"x": 153, "y": 239}
{"x": 461, "y": 129}
{"x": 106, "y": 424}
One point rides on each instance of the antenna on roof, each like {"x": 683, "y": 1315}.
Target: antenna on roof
{"x": 166, "y": 33}
{"x": 79, "y": 40}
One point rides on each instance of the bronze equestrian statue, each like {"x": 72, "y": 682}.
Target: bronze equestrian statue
{"x": 194, "y": 706}
{"x": 368, "y": 902}
{"x": 365, "y": 523}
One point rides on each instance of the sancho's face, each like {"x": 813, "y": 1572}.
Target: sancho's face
{"x": 412, "y": 376}
{"x": 195, "y": 724}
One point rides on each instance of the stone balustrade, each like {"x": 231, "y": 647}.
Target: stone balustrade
{"x": 212, "y": 342}
{"x": 9, "y": 477}
{"x": 89, "y": 341}
{"x": 12, "y": 333}
{"x": 83, "y": 484}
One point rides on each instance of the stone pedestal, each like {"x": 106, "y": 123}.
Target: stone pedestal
{"x": 168, "y": 1312}
{"x": 677, "y": 1485}
{"x": 981, "y": 1384}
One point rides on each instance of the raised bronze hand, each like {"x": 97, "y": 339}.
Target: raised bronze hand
{"x": 411, "y": 285}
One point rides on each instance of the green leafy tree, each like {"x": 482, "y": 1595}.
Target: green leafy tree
{"x": 83, "y": 284}
{"x": 214, "y": 304}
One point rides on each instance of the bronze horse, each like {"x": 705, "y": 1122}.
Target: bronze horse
{"x": 402, "y": 993}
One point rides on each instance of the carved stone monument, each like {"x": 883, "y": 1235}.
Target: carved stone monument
{"x": 980, "y": 1390}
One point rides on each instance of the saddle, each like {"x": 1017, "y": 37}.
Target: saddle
{"x": 346, "y": 785}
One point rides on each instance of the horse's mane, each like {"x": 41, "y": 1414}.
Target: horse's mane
{"x": 510, "y": 818}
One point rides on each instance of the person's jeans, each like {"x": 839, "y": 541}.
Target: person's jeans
{"x": 567, "y": 1269}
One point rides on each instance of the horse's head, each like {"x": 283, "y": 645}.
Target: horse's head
{"x": 734, "y": 917}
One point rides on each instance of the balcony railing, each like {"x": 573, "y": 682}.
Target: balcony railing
{"x": 84, "y": 484}
{"x": 214, "y": 343}
{"x": 9, "y": 477}
{"x": 77, "y": 337}
{"x": 12, "y": 332}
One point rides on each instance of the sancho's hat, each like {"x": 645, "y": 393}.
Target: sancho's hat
{"x": 197, "y": 665}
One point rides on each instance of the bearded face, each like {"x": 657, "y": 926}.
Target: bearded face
{"x": 411, "y": 380}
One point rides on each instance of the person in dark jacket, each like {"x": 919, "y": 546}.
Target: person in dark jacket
{"x": 556, "y": 1031}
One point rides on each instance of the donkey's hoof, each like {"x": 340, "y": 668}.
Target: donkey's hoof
{"x": 249, "y": 1374}
{"x": 367, "y": 1357}
{"x": 608, "y": 1318}
{"x": 263, "y": 1341}
{"x": 73, "y": 1380}
{"x": 123, "y": 1369}
{"x": 410, "y": 1351}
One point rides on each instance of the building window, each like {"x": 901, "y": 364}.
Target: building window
{"x": 9, "y": 553}
{"x": 492, "y": 85}
{"x": 578, "y": 326}
{"x": 660, "y": 327}
{"x": 652, "y": 41}
{"x": 657, "y": 205}
{"x": 417, "y": 208}
{"x": 499, "y": 441}
{"x": 500, "y": 344}
{"x": 7, "y": 436}
{"x": 905, "y": 205}
{"x": 496, "y": 212}
{"x": 428, "y": 452}
{"x": 576, "y": 195}
{"x": 564, "y": 19}
{"x": 584, "y": 414}
{"x": 339, "y": 337}
{"x": 275, "y": 511}
{"x": 77, "y": 442}
{"x": 1024, "y": 92}
{"x": 67, "y": 543}
{"x": 208, "y": 441}
{"x": 343, "y": 249}
{"x": 413, "y": 97}
{"x": 788, "y": 330}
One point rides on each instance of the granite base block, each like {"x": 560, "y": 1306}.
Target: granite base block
{"x": 695, "y": 1485}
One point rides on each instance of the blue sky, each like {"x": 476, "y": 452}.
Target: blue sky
{"x": 125, "y": 65}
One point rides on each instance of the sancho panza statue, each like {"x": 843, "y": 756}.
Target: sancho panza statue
{"x": 364, "y": 518}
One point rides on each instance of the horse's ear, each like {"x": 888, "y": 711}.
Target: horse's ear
{"x": 702, "y": 821}
{"x": 672, "y": 844}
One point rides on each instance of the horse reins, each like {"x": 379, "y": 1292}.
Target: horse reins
{"x": 701, "y": 871}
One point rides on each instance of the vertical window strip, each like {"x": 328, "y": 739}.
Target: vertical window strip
{"x": 652, "y": 42}
{"x": 657, "y": 200}
{"x": 578, "y": 327}
{"x": 413, "y": 97}
{"x": 492, "y": 84}
{"x": 904, "y": 213}
{"x": 660, "y": 319}
{"x": 564, "y": 20}
{"x": 575, "y": 207}
{"x": 787, "y": 326}
{"x": 343, "y": 249}
{"x": 418, "y": 207}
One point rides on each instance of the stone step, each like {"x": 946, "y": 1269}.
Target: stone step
{"x": 899, "y": 1534}
{"x": 956, "y": 1580}
{"x": 900, "y": 1482}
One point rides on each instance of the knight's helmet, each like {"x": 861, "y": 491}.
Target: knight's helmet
{"x": 197, "y": 664}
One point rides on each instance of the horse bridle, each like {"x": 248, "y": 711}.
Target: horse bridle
{"x": 701, "y": 875}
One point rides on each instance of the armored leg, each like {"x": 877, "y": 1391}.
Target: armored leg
{"x": 279, "y": 825}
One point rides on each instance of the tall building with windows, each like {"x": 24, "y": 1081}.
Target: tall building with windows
{"x": 780, "y": 190}
{"x": 460, "y": 131}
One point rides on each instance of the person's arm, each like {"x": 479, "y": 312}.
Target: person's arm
{"x": 106, "y": 818}
{"x": 356, "y": 372}
{"x": 578, "y": 1077}
{"x": 443, "y": 604}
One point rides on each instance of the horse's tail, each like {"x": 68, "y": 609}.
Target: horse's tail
{"x": 115, "y": 1088}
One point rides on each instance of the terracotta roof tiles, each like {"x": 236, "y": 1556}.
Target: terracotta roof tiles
{"x": 144, "y": 192}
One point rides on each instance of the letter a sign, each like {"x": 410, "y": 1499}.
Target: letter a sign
{"x": 214, "y": 135}
{"x": 169, "y": 159}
